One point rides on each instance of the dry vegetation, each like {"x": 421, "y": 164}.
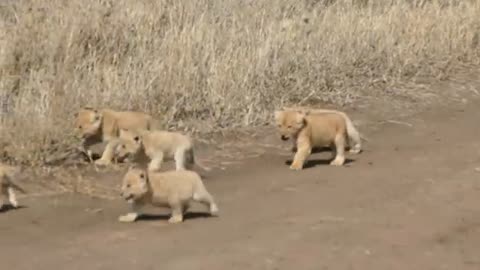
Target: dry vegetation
{"x": 221, "y": 63}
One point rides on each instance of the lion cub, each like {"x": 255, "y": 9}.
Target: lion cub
{"x": 7, "y": 186}
{"x": 96, "y": 126}
{"x": 157, "y": 146}
{"x": 173, "y": 189}
{"x": 354, "y": 137}
{"x": 313, "y": 130}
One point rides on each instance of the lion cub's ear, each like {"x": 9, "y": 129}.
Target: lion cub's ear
{"x": 303, "y": 110}
{"x": 144, "y": 176}
{"x": 96, "y": 115}
{"x": 300, "y": 117}
{"x": 137, "y": 139}
{"x": 277, "y": 115}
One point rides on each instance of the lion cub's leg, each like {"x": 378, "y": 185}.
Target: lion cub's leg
{"x": 304, "y": 149}
{"x": 108, "y": 153}
{"x": 185, "y": 208}
{"x": 356, "y": 149}
{"x": 156, "y": 162}
{"x": 89, "y": 155}
{"x": 3, "y": 197}
{"x": 133, "y": 215}
{"x": 180, "y": 157}
{"x": 85, "y": 148}
{"x": 204, "y": 197}
{"x": 294, "y": 146}
{"x": 130, "y": 217}
{"x": 12, "y": 197}
{"x": 354, "y": 140}
{"x": 177, "y": 212}
{"x": 338, "y": 150}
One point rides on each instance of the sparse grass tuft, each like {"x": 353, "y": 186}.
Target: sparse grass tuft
{"x": 204, "y": 65}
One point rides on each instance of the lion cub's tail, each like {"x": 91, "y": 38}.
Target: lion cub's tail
{"x": 190, "y": 160}
{"x": 353, "y": 135}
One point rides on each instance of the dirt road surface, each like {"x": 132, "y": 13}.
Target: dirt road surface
{"x": 411, "y": 200}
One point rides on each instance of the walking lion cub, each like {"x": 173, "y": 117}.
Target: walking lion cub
{"x": 354, "y": 142}
{"x": 172, "y": 189}
{"x": 7, "y": 186}
{"x": 309, "y": 130}
{"x": 96, "y": 126}
{"x": 157, "y": 146}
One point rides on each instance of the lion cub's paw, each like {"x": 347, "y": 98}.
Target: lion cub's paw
{"x": 128, "y": 218}
{"x": 355, "y": 151}
{"x": 14, "y": 203}
{"x": 102, "y": 162}
{"x": 296, "y": 167}
{"x": 214, "y": 210}
{"x": 175, "y": 219}
{"x": 337, "y": 162}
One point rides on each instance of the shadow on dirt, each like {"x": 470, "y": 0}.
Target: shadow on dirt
{"x": 187, "y": 216}
{"x": 316, "y": 162}
{"x": 317, "y": 150}
{"x": 9, "y": 207}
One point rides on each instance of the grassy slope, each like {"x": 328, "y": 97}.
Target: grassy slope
{"x": 209, "y": 64}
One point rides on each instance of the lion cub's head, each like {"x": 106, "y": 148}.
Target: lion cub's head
{"x": 88, "y": 122}
{"x": 7, "y": 173}
{"x": 290, "y": 122}
{"x": 135, "y": 184}
{"x": 130, "y": 144}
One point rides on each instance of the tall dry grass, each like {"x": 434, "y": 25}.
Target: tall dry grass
{"x": 212, "y": 64}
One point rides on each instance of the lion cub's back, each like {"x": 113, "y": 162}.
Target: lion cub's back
{"x": 166, "y": 141}
{"x": 324, "y": 127}
{"x": 130, "y": 119}
{"x": 179, "y": 183}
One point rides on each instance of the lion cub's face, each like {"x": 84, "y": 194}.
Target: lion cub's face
{"x": 135, "y": 184}
{"x": 289, "y": 123}
{"x": 88, "y": 122}
{"x": 130, "y": 144}
{"x": 6, "y": 173}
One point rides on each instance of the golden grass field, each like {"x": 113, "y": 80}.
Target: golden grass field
{"x": 204, "y": 65}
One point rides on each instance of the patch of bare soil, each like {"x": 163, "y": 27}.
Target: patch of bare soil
{"x": 409, "y": 201}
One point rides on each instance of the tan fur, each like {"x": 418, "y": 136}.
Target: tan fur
{"x": 7, "y": 185}
{"x": 96, "y": 126}
{"x": 157, "y": 146}
{"x": 172, "y": 189}
{"x": 313, "y": 130}
{"x": 354, "y": 137}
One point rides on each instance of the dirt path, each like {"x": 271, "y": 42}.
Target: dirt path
{"x": 410, "y": 201}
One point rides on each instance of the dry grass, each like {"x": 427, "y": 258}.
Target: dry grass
{"x": 207, "y": 64}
